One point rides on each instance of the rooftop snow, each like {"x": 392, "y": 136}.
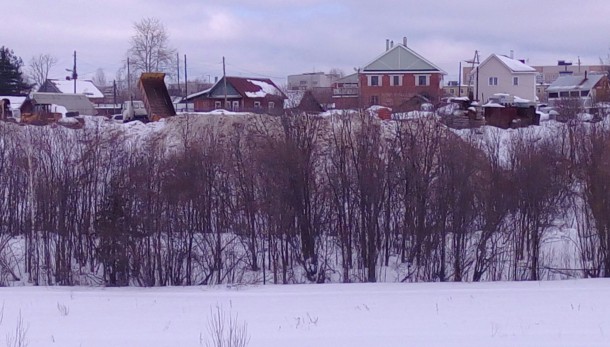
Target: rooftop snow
{"x": 82, "y": 87}
{"x": 570, "y": 82}
{"x": 266, "y": 89}
{"x": 515, "y": 65}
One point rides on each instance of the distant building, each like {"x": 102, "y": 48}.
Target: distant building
{"x": 453, "y": 89}
{"x": 242, "y": 94}
{"x": 397, "y": 75}
{"x": 549, "y": 73}
{"x": 499, "y": 74}
{"x": 85, "y": 87}
{"x": 311, "y": 80}
{"x": 298, "y": 101}
{"x": 68, "y": 104}
{"x": 346, "y": 92}
{"x": 588, "y": 88}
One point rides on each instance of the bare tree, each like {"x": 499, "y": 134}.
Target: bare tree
{"x": 149, "y": 47}
{"x": 100, "y": 78}
{"x": 40, "y": 66}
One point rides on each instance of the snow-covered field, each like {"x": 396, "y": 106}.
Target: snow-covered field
{"x": 560, "y": 313}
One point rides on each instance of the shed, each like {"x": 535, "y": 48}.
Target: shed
{"x": 75, "y": 103}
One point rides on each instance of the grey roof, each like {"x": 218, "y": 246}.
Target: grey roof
{"x": 401, "y": 58}
{"x": 353, "y": 78}
{"x": 570, "y": 82}
{"x": 72, "y": 102}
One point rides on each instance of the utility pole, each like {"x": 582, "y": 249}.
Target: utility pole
{"x": 224, "y": 78}
{"x": 129, "y": 84}
{"x": 460, "y": 80}
{"x": 114, "y": 95}
{"x": 178, "y": 68}
{"x": 74, "y": 74}
{"x": 186, "y": 84}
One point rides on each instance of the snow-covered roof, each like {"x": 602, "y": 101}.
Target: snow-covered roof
{"x": 194, "y": 95}
{"x": 82, "y": 87}
{"x": 513, "y": 65}
{"x": 493, "y": 104}
{"x": 265, "y": 89}
{"x": 570, "y": 82}
{"x": 401, "y": 58}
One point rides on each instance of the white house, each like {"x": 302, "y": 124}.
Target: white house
{"x": 499, "y": 74}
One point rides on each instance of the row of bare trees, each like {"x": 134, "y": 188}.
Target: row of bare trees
{"x": 296, "y": 199}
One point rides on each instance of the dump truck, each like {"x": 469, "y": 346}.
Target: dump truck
{"x": 155, "y": 96}
{"x": 134, "y": 110}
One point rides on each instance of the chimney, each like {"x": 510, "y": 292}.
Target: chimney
{"x": 392, "y": 44}
{"x": 387, "y": 44}
{"x": 585, "y": 75}
{"x": 404, "y": 41}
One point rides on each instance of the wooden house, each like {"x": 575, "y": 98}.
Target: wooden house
{"x": 240, "y": 94}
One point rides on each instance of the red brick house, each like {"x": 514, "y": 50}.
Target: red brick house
{"x": 242, "y": 94}
{"x": 398, "y": 75}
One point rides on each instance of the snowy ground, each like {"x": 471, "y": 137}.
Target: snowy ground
{"x": 561, "y": 313}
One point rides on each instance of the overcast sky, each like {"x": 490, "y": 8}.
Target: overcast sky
{"x": 276, "y": 38}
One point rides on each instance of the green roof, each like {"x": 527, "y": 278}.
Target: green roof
{"x": 401, "y": 58}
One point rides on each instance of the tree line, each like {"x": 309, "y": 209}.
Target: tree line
{"x": 297, "y": 198}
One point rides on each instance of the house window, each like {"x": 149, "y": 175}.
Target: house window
{"x": 271, "y": 105}
{"x": 217, "y": 104}
{"x": 227, "y": 105}
{"x": 422, "y": 80}
{"x": 452, "y": 91}
{"x": 584, "y": 93}
{"x": 396, "y": 80}
{"x": 235, "y": 105}
{"x": 374, "y": 81}
{"x": 493, "y": 81}
{"x": 257, "y": 104}
{"x": 553, "y": 95}
{"x": 374, "y": 100}
{"x": 574, "y": 94}
{"x": 515, "y": 81}
{"x": 564, "y": 94}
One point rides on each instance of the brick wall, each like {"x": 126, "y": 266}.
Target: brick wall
{"x": 393, "y": 96}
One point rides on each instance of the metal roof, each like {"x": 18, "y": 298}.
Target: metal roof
{"x": 401, "y": 58}
{"x": 570, "y": 82}
{"x": 72, "y": 102}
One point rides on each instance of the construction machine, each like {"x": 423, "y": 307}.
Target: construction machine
{"x": 155, "y": 96}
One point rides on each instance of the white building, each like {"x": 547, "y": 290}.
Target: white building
{"x": 311, "y": 80}
{"x": 499, "y": 74}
